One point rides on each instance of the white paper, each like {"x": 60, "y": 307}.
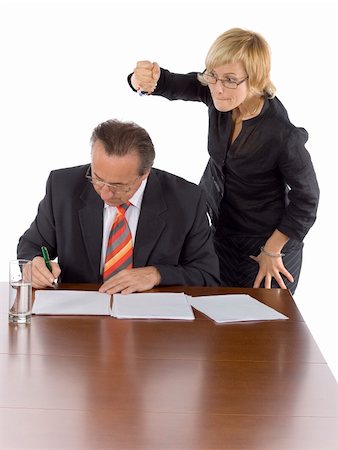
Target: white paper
{"x": 234, "y": 308}
{"x": 71, "y": 302}
{"x": 164, "y": 305}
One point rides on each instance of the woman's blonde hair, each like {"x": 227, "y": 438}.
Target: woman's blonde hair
{"x": 237, "y": 45}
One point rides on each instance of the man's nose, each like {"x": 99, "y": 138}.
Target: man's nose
{"x": 105, "y": 192}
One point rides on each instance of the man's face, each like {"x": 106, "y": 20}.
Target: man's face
{"x": 115, "y": 178}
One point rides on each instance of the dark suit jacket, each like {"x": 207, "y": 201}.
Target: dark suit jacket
{"x": 173, "y": 232}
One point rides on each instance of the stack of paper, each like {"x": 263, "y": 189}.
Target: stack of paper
{"x": 152, "y": 306}
{"x": 145, "y": 306}
{"x": 234, "y": 308}
{"x": 71, "y": 302}
{"x": 164, "y": 305}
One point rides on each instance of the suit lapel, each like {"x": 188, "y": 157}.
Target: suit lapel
{"x": 149, "y": 229}
{"x": 91, "y": 222}
{"x": 150, "y": 224}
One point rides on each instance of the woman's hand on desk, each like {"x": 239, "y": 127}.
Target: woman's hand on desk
{"x": 41, "y": 276}
{"x": 132, "y": 280}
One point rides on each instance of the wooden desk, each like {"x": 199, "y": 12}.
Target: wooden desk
{"x": 98, "y": 382}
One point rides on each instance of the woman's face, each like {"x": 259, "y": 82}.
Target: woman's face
{"x": 226, "y": 98}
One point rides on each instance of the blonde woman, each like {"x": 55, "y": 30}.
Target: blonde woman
{"x": 260, "y": 183}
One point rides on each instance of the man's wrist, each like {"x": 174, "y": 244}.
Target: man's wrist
{"x": 157, "y": 276}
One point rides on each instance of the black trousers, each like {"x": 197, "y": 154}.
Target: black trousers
{"x": 239, "y": 270}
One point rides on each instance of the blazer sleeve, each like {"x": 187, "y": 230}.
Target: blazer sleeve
{"x": 42, "y": 230}
{"x": 198, "y": 263}
{"x": 303, "y": 197}
{"x": 176, "y": 86}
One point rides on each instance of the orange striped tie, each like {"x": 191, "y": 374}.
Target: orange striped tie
{"x": 120, "y": 245}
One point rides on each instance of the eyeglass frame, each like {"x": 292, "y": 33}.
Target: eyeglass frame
{"x": 229, "y": 80}
{"x": 125, "y": 189}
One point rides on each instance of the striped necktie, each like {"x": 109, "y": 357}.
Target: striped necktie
{"x": 119, "y": 253}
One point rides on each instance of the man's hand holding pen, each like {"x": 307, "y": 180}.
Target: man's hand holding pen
{"x": 41, "y": 276}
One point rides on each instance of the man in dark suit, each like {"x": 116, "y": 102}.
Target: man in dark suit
{"x": 165, "y": 220}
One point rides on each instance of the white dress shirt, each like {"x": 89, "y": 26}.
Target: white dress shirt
{"x": 132, "y": 216}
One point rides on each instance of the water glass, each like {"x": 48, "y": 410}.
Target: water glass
{"x": 20, "y": 291}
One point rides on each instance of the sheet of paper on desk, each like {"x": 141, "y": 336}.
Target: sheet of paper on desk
{"x": 234, "y": 308}
{"x": 71, "y": 302}
{"x": 164, "y": 305}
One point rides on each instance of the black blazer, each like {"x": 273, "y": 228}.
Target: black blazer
{"x": 173, "y": 232}
{"x": 264, "y": 180}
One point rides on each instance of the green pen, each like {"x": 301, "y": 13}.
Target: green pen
{"x": 45, "y": 256}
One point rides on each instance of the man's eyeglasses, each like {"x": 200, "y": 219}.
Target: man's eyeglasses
{"x": 113, "y": 188}
{"x": 229, "y": 83}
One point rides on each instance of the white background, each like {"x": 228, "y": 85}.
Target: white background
{"x": 63, "y": 71}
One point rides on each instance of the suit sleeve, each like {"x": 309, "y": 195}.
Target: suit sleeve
{"x": 303, "y": 197}
{"x": 176, "y": 86}
{"x": 198, "y": 263}
{"x": 42, "y": 230}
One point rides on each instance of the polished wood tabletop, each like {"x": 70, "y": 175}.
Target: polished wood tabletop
{"x": 96, "y": 382}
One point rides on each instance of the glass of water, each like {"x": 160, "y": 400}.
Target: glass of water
{"x": 20, "y": 291}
